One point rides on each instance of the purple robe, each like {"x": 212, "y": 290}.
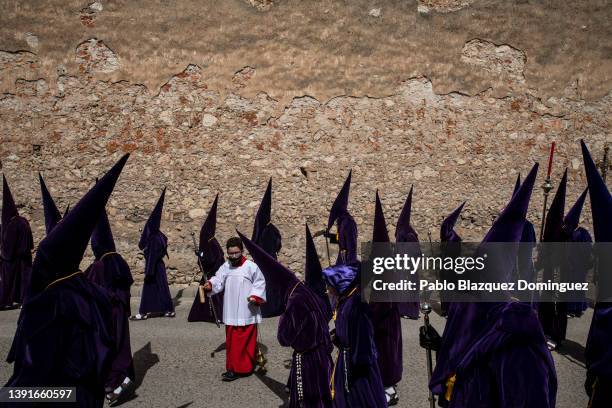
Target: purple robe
{"x": 303, "y": 327}
{"x": 211, "y": 261}
{"x": 506, "y": 365}
{"x": 357, "y": 381}
{"x": 63, "y": 339}
{"x": 577, "y": 264}
{"x": 155, "y": 291}
{"x": 113, "y": 274}
{"x": 387, "y": 325}
{"x": 269, "y": 239}
{"x": 347, "y": 239}
{"x": 16, "y": 265}
{"x": 598, "y": 355}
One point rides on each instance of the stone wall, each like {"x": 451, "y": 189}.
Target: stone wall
{"x": 455, "y": 97}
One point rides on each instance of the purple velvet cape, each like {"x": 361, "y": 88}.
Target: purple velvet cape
{"x": 155, "y": 291}
{"x": 357, "y": 379}
{"x": 303, "y": 327}
{"x": 506, "y": 365}
{"x": 347, "y": 239}
{"x": 113, "y": 274}
{"x": 63, "y": 338}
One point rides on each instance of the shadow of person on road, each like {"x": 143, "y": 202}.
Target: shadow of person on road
{"x": 176, "y": 300}
{"x": 573, "y": 351}
{"x": 278, "y": 388}
{"x": 144, "y": 359}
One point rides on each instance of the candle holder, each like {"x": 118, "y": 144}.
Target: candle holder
{"x": 546, "y": 187}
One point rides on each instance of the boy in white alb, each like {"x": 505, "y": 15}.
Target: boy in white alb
{"x": 244, "y": 289}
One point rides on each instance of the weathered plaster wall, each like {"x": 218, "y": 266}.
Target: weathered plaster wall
{"x": 454, "y": 97}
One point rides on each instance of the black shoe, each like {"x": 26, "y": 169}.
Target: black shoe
{"x": 230, "y": 376}
{"x": 225, "y": 374}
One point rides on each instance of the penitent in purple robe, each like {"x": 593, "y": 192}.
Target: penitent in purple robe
{"x": 494, "y": 354}
{"x": 303, "y": 327}
{"x": 111, "y": 272}
{"x": 156, "y": 298}
{"x": 404, "y": 234}
{"x": 64, "y": 333}
{"x": 15, "y": 252}
{"x": 356, "y": 381}
{"x": 268, "y": 237}
{"x": 579, "y": 257}
{"x": 598, "y": 353}
{"x": 386, "y": 319}
{"x": 211, "y": 258}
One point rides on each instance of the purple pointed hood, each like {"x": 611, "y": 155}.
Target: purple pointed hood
{"x": 264, "y": 213}
{"x": 340, "y": 206}
{"x": 572, "y": 218}
{"x": 154, "y": 222}
{"x": 207, "y": 232}
{"x": 447, "y": 229}
{"x": 379, "y": 232}
{"x": 517, "y": 184}
{"x": 279, "y": 279}
{"x": 102, "y": 240}
{"x": 601, "y": 200}
{"x": 60, "y": 253}
{"x": 403, "y": 230}
{"x": 9, "y": 209}
{"x": 51, "y": 212}
{"x": 554, "y": 217}
{"x": 312, "y": 268}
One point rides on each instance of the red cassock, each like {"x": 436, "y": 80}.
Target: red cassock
{"x": 241, "y": 342}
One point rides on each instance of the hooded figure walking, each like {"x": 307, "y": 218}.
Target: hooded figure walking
{"x": 346, "y": 235}
{"x": 112, "y": 272}
{"x": 387, "y": 323}
{"x": 15, "y": 252}
{"x": 64, "y": 333}
{"x": 598, "y": 353}
{"x": 156, "y": 299}
{"x": 486, "y": 344}
{"x": 303, "y": 327}
{"x": 210, "y": 257}
{"x": 268, "y": 237}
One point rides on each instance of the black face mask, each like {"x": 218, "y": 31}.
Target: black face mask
{"x": 235, "y": 261}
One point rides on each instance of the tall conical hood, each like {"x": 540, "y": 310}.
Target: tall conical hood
{"x": 154, "y": 221}
{"x": 554, "y": 217}
{"x": 601, "y": 200}
{"x": 61, "y": 252}
{"x": 9, "y": 209}
{"x": 102, "y": 237}
{"x": 447, "y": 229}
{"x": 52, "y": 214}
{"x": 508, "y": 226}
{"x": 379, "y": 232}
{"x": 313, "y": 272}
{"x": 517, "y": 184}
{"x": 264, "y": 213}
{"x": 279, "y": 279}
{"x": 403, "y": 230}
{"x": 210, "y": 223}
{"x": 572, "y": 218}
{"x": 340, "y": 206}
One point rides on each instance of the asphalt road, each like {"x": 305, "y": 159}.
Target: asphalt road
{"x": 175, "y": 368}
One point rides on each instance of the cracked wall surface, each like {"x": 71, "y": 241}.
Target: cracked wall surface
{"x": 455, "y": 97}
